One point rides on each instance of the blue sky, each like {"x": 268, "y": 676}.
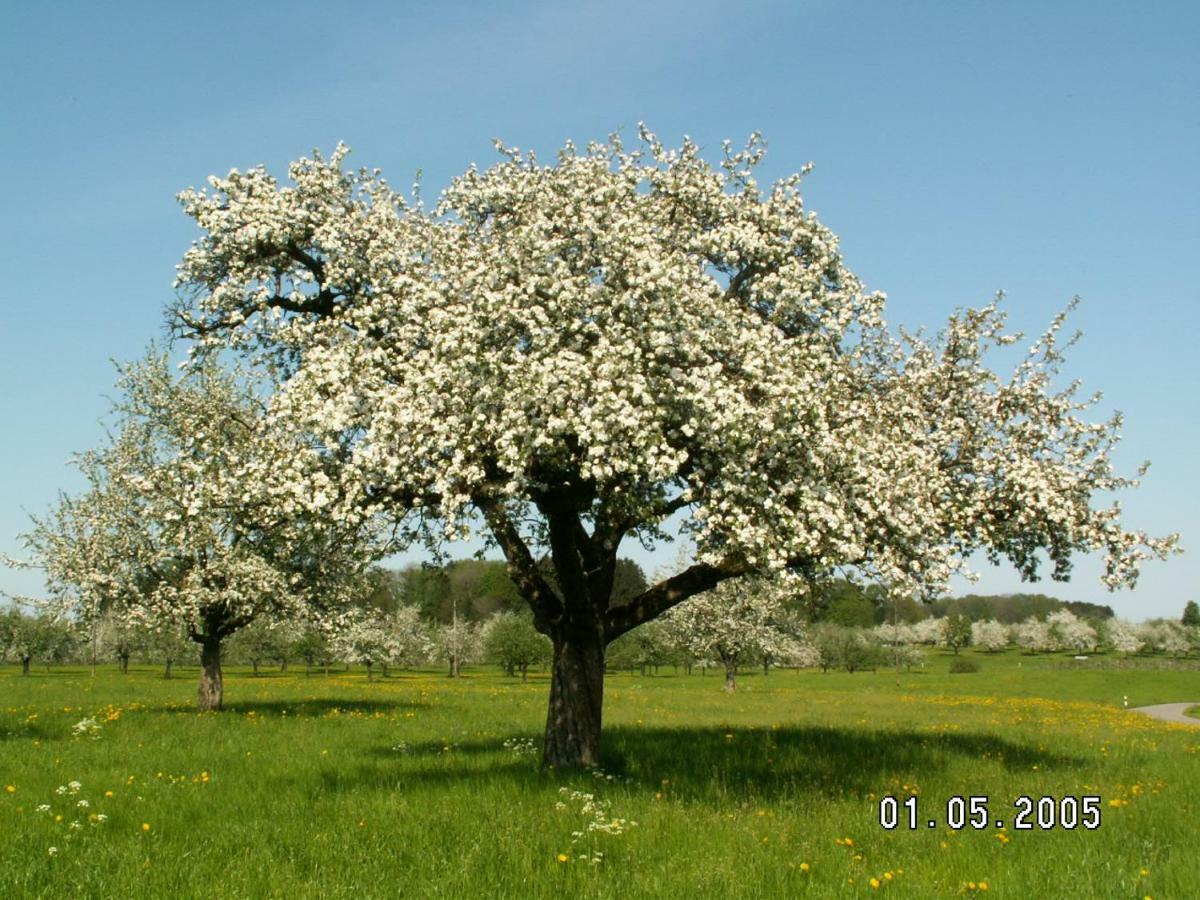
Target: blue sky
{"x": 961, "y": 148}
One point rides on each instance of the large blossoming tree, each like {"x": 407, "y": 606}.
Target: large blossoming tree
{"x": 570, "y": 355}
{"x": 189, "y": 520}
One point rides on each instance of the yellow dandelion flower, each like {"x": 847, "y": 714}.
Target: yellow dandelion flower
{"x": 145, "y": 826}
{"x": 10, "y": 788}
{"x": 874, "y": 882}
{"x": 1143, "y": 872}
{"x": 108, "y": 794}
{"x": 983, "y": 885}
{"x": 562, "y": 857}
{"x": 805, "y": 867}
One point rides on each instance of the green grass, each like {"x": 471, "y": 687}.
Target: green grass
{"x": 333, "y": 787}
{"x": 1193, "y": 711}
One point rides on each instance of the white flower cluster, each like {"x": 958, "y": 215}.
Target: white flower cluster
{"x": 598, "y": 813}
{"x": 87, "y": 727}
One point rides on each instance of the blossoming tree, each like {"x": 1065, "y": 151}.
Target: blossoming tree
{"x": 189, "y": 520}
{"x": 735, "y": 620}
{"x": 574, "y": 354}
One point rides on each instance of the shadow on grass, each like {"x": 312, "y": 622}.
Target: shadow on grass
{"x": 714, "y": 764}
{"x": 320, "y": 706}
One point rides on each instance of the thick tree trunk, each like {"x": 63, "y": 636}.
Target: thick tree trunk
{"x": 25, "y": 661}
{"x": 124, "y": 662}
{"x": 730, "y": 676}
{"x": 283, "y": 667}
{"x": 370, "y": 671}
{"x": 524, "y": 674}
{"x": 576, "y": 699}
{"x": 212, "y": 688}
{"x": 167, "y": 674}
{"x": 254, "y": 663}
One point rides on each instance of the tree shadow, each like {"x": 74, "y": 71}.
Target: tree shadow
{"x": 716, "y": 765}
{"x": 321, "y": 706}
{"x": 774, "y": 763}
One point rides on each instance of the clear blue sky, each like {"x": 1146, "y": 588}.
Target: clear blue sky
{"x": 960, "y": 148}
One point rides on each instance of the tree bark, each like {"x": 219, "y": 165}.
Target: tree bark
{"x": 730, "y": 676}
{"x": 167, "y": 674}
{"x": 370, "y": 671}
{"x": 212, "y": 688}
{"x": 25, "y": 661}
{"x": 576, "y": 699}
{"x": 123, "y": 659}
{"x": 524, "y": 674}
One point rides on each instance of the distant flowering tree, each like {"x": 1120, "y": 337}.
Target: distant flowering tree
{"x": 733, "y": 622}
{"x": 1165, "y": 636}
{"x": 956, "y": 631}
{"x": 366, "y": 638}
{"x": 896, "y": 634}
{"x": 928, "y": 631}
{"x": 115, "y": 637}
{"x": 1069, "y": 632}
{"x": 580, "y": 353}
{"x": 1191, "y": 614}
{"x": 990, "y": 635}
{"x": 1124, "y": 636}
{"x": 511, "y": 641}
{"x": 169, "y": 645}
{"x": 411, "y": 643}
{"x": 1034, "y": 635}
{"x": 191, "y": 519}
{"x": 457, "y": 644}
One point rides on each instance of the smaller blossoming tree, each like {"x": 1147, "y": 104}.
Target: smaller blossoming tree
{"x": 191, "y": 519}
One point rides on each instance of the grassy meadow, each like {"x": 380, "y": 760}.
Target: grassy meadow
{"x": 420, "y": 786}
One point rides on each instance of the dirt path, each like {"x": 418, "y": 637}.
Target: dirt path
{"x": 1169, "y": 712}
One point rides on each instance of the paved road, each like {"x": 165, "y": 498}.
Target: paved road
{"x": 1169, "y": 712}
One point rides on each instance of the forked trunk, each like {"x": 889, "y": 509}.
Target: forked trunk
{"x": 212, "y": 689}
{"x": 576, "y": 699}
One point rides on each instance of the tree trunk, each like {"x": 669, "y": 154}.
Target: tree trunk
{"x": 212, "y": 688}
{"x": 576, "y": 699}
{"x": 370, "y": 670}
{"x": 124, "y": 663}
{"x": 766, "y": 667}
{"x": 167, "y": 674}
{"x": 730, "y": 675}
{"x": 254, "y": 663}
{"x": 524, "y": 674}
{"x": 25, "y": 661}
{"x": 283, "y": 667}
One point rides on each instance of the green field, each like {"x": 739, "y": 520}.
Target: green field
{"x": 327, "y": 786}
